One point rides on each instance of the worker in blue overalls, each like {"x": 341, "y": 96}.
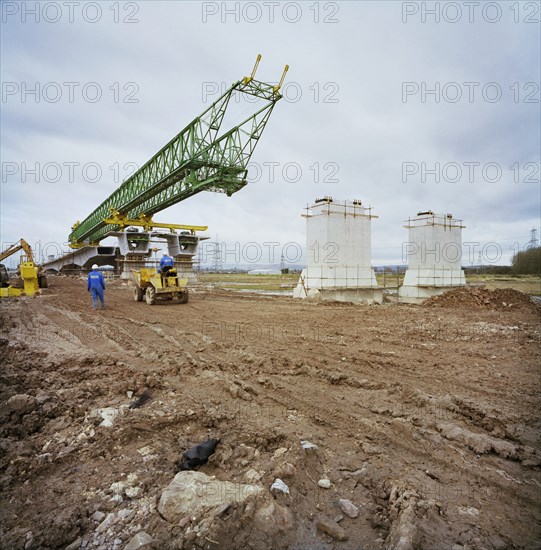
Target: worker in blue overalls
{"x": 166, "y": 263}
{"x": 96, "y": 285}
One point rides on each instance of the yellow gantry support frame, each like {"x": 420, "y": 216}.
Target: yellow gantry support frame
{"x": 147, "y": 223}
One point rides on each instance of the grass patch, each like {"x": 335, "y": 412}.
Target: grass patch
{"x": 530, "y": 284}
{"x": 245, "y": 281}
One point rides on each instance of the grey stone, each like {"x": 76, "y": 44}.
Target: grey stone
{"x": 29, "y": 540}
{"x": 138, "y": 541}
{"x": 252, "y": 476}
{"x": 118, "y": 487}
{"x": 221, "y": 510}
{"x": 279, "y": 452}
{"x": 348, "y": 508}
{"x": 42, "y": 397}
{"x": 133, "y": 492}
{"x": 237, "y": 391}
{"x": 106, "y": 523}
{"x": 98, "y": 516}
{"x": 184, "y": 521}
{"x": 132, "y": 479}
{"x": 126, "y": 514}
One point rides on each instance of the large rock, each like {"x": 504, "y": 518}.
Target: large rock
{"x": 194, "y": 492}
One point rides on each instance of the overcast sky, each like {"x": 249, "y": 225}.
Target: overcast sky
{"x": 381, "y": 99}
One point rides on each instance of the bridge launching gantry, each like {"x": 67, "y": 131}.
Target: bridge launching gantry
{"x": 207, "y": 155}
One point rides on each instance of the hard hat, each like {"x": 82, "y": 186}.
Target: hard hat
{"x": 164, "y": 253}
{"x": 95, "y": 266}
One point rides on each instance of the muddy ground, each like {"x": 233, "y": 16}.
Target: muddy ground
{"x": 425, "y": 418}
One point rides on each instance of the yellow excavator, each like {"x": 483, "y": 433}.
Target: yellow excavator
{"x": 31, "y": 278}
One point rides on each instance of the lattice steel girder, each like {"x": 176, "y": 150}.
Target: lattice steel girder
{"x": 202, "y": 157}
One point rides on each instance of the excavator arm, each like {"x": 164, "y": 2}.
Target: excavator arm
{"x": 19, "y": 245}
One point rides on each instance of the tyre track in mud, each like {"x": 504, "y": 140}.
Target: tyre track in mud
{"x": 460, "y": 416}
{"x": 414, "y": 452}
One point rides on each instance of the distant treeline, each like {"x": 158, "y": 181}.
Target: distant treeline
{"x": 527, "y": 262}
{"x": 489, "y": 270}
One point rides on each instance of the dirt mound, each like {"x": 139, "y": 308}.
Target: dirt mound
{"x": 500, "y": 299}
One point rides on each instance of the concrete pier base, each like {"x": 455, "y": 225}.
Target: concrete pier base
{"x": 358, "y": 295}
{"x": 353, "y": 295}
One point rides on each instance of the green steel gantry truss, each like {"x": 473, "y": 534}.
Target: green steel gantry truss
{"x": 202, "y": 157}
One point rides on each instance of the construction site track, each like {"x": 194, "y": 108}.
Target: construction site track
{"x": 427, "y": 418}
